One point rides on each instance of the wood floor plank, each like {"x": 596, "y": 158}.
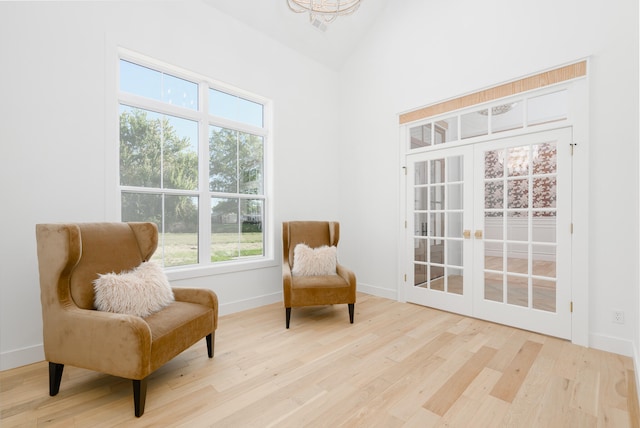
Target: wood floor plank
{"x": 449, "y": 393}
{"x": 633, "y": 401}
{"x": 509, "y": 385}
{"x": 398, "y": 365}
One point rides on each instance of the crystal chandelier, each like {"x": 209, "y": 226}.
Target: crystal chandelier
{"x": 325, "y": 10}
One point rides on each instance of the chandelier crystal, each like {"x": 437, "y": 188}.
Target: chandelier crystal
{"x": 325, "y": 10}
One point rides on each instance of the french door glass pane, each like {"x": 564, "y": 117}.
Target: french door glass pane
{"x": 517, "y": 258}
{"x": 455, "y": 195}
{"x": 454, "y": 169}
{"x": 436, "y": 171}
{"x": 421, "y": 224}
{"x": 493, "y": 225}
{"x": 518, "y": 161}
{"x": 544, "y": 295}
{"x": 438, "y": 214}
{"x": 437, "y": 197}
{"x": 421, "y": 169}
{"x": 420, "y": 275}
{"x": 420, "y": 250}
{"x": 454, "y": 280}
{"x": 493, "y": 286}
{"x": 517, "y": 290}
{"x": 494, "y": 195}
{"x": 494, "y": 164}
{"x": 436, "y": 224}
{"x": 421, "y": 200}
{"x": 454, "y": 252}
{"x": 544, "y": 158}
{"x": 518, "y": 193}
{"x": 520, "y": 226}
{"x": 544, "y": 260}
{"x": 544, "y": 192}
{"x": 454, "y": 224}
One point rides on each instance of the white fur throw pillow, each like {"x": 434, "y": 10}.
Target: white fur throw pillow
{"x": 141, "y": 291}
{"x": 309, "y": 261}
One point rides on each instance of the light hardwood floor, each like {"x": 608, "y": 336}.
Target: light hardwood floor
{"x": 399, "y": 365}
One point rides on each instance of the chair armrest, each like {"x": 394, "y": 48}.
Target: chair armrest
{"x": 347, "y": 274}
{"x": 101, "y": 342}
{"x": 350, "y": 277}
{"x": 202, "y": 296}
{"x": 286, "y": 283}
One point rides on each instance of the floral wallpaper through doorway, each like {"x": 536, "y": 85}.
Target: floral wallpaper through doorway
{"x": 534, "y": 164}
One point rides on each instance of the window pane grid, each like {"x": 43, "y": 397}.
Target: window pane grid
{"x": 165, "y": 156}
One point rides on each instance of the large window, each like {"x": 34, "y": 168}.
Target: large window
{"x": 192, "y": 160}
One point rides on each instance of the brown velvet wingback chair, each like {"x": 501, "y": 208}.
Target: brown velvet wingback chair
{"x": 314, "y": 290}
{"x": 70, "y": 257}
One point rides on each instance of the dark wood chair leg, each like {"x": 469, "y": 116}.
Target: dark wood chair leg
{"x": 210, "y": 343}
{"x": 288, "y": 315}
{"x": 139, "y": 395}
{"x": 351, "y": 308}
{"x": 55, "y": 377}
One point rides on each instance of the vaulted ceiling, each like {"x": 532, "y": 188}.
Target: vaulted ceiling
{"x": 274, "y": 19}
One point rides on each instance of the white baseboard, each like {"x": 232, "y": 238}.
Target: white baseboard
{"x": 612, "y": 344}
{"x": 254, "y": 302}
{"x": 387, "y": 293}
{"x": 636, "y": 365}
{"x": 21, "y": 357}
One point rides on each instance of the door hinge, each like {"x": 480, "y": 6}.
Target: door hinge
{"x": 572, "y": 147}
{"x": 572, "y": 228}
{"x": 571, "y": 307}
{"x": 405, "y": 170}
{"x": 405, "y": 277}
{"x": 405, "y": 224}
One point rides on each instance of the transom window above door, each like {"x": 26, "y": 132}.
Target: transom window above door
{"x": 518, "y": 113}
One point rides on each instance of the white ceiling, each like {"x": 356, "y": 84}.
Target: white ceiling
{"x": 276, "y": 20}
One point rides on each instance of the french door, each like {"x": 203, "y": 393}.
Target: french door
{"x": 489, "y": 231}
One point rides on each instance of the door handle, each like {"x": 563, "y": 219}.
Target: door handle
{"x": 466, "y": 234}
{"x": 478, "y": 234}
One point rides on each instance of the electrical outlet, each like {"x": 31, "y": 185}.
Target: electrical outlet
{"x": 618, "y": 317}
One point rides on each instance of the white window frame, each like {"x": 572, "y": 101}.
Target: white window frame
{"x": 113, "y": 206}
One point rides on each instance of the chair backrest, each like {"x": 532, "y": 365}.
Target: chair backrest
{"x": 85, "y": 250}
{"x": 313, "y": 233}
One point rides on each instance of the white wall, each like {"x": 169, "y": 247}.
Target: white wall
{"x": 54, "y": 132}
{"x": 423, "y": 52}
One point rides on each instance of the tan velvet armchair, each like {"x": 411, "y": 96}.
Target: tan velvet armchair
{"x": 70, "y": 257}
{"x": 314, "y": 290}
